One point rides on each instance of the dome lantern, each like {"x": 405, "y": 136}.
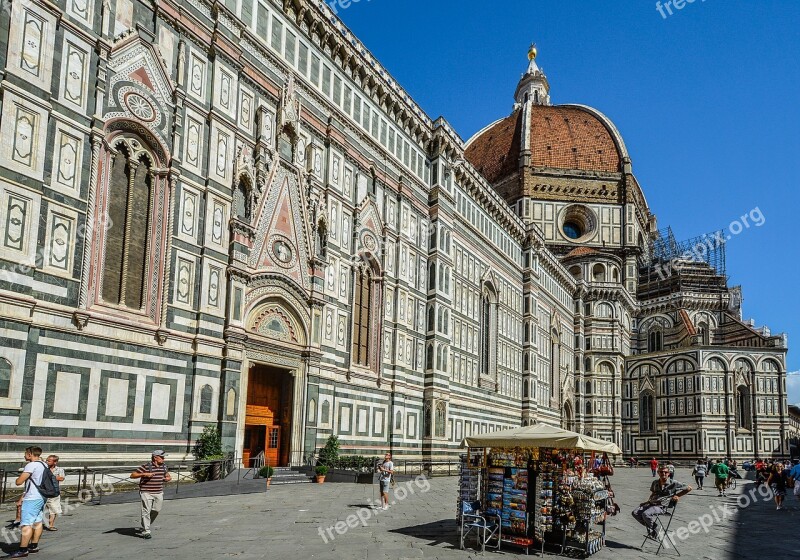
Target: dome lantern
{"x": 533, "y": 86}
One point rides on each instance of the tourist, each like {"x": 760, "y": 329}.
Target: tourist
{"x": 32, "y": 503}
{"x": 53, "y": 505}
{"x": 386, "y": 470}
{"x": 778, "y": 480}
{"x": 699, "y": 473}
{"x": 671, "y": 470}
{"x": 653, "y": 466}
{"x": 794, "y": 473}
{"x": 720, "y": 472}
{"x": 663, "y": 492}
{"x": 14, "y": 524}
{"x": 152, "y": 477}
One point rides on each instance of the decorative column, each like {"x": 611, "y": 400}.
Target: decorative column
{"x": 298, "y": 414}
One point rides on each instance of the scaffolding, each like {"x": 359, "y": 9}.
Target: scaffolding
{"x": 708, "y": 248}
{"x": 669, "y": 266}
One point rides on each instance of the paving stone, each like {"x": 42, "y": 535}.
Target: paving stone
{"x": 285, "y": 522}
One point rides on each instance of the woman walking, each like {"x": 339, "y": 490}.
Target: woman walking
{"x": 699, "y": 473}
{"x": 778, "y": 481}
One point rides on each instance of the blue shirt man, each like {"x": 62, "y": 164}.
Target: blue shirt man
{"x": 795, "y": 475}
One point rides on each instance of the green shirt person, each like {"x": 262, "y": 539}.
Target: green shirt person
{"x": 720, "y": 472}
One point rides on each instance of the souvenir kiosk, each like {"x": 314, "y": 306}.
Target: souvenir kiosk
{"x": 535, "y": 483}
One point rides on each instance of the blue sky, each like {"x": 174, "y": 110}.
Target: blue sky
{"x": 706, "y": 100}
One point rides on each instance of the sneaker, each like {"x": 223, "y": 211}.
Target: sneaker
{"x": 719, "y": 495}
{"x": 385, "y": 506}
{"x": 19, "y": 554}
{"x": 33, "y": 549}
{"x": 146, "y": 535}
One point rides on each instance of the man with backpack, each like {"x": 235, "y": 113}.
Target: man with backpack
{"x": 40, "y": 484}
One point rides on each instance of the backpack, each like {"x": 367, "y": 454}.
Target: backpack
{"x": 49, "y": 487}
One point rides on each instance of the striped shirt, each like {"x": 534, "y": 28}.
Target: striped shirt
{"x": 152, "y": 484}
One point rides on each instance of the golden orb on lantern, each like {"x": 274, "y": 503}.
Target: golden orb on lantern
{"x": 532, "y": 51}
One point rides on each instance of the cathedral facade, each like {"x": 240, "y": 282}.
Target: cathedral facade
{"x": 230, "y": 214}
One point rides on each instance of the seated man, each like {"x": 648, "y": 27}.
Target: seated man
{"x": 662, "y": 492}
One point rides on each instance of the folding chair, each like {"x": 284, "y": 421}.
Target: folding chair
{"x": 663, "y": 531}
{"x": 486, "y": 527}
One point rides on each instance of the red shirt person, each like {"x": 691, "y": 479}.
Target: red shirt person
{"x": 653, "y": 465}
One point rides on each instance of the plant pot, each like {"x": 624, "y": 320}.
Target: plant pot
{"x": 320, "y": 479}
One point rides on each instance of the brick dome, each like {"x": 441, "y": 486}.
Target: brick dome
{"x": 570, "y": 137}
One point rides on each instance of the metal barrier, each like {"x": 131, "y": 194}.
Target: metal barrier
{"x": 428, "y": 468}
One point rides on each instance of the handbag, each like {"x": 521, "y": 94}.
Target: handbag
{"x": 605, "y": 468}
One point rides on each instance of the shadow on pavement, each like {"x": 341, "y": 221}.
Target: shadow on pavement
{"x": 124, "y": 531}
{"x": 438, "y": 532}
{"x": 763, "y": 531}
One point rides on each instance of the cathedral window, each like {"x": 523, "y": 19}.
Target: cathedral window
{"x": 743, "y": 414}
{"x": 647, "y": 412}
{"x": 440, "y": 419}
{"x": 130, "y": 196}
{"x": 362, "y": 308}
{"x": 241, "y": 201}
{"x": 655, "y": 341}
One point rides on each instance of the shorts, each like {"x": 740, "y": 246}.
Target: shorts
{"x": 384, "y": 486}
{"x": 778, "y": 490}
{"x": 31, "y": 512}
{"x": 53, "y": 506}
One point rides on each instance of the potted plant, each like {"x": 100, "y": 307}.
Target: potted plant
{"x": 321, "y": 471}
{"x": 266, "y": 472}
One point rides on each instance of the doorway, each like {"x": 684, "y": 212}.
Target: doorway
{"x": 268, "y": 416}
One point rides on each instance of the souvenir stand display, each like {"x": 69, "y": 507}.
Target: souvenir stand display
{"x": 469, "y": 480}
{"x": 542, "y": 494}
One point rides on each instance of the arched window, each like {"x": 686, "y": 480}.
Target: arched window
{"x": 743, "y": 415}
{"x": 440, "y": 418}
{"x": 588, "y": 408}
{"x": 206, "y": 397}
{"x": 312, "y": 411}
{"x": 241, "y": 200}
{"x": 599, "y": 273}
{"x": 362, "y": 308}
{"x": 555, "y": 365}
{"x": 5, "y": 378}
{"x": 130, "y": 196}
{"x": 486, "y": 312}
{"x": 432, "y": 276}
{"x": 705, "y": 334}
{"x": 588, "y": 388}
{"x": 655, "y": 341}
{"x": 647, "y": 412}
{"x": 325, "y": 416}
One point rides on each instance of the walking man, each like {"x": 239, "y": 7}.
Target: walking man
{"x": 720, "y": 472}
{"x": 699, "y": 473}
{"x": 654, "y": 466}
{"x": 53, "y": 505}
{"x": 387, "y": 470}
{"x": 662, "y": 492}
{"x": 152, "y": 477}
{"x": 32, "y": 503}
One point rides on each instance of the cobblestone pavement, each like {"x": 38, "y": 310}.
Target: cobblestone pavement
{"x": 287, "y": 522}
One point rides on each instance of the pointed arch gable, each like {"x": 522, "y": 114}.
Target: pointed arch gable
{"x": 283, "y": 241}
{"x": 139, "y": 89}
